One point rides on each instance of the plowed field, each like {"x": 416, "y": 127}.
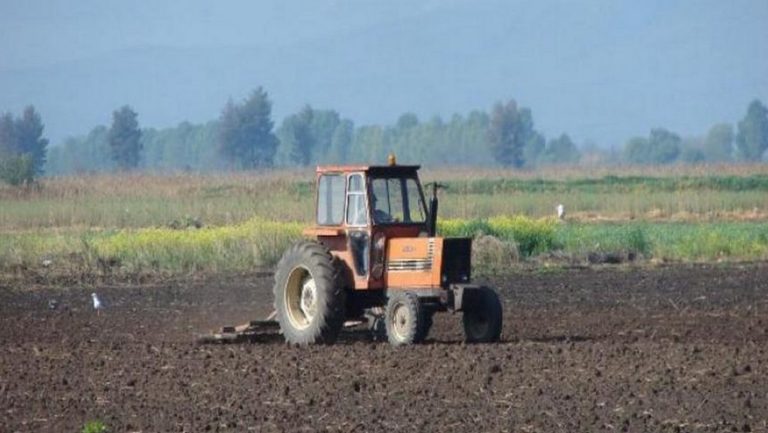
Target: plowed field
{"x": 680, "y": 348}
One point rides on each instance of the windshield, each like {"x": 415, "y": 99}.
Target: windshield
{"x": 397, "y": 200}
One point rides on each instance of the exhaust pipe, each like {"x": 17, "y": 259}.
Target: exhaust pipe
{"x": 433, "y": 204}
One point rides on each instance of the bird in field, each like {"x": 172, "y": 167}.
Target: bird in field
{"x": 53, "y": 304}
{"x": 97, "y": 305}
{"x": 560, "y": 211}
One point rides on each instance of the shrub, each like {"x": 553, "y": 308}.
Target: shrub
{"x": 491, "y": 255}
{"x": 532, "y": 236}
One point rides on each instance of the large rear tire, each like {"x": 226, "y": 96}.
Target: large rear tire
{"x": 404, "y": 319}
{"x": 482, "y": 316}
{"x": 309, "y": 295}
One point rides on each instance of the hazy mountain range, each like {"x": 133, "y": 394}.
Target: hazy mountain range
{"x": 601, "y": 71}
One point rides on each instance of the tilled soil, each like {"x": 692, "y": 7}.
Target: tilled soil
{"x": 648, "y": 349}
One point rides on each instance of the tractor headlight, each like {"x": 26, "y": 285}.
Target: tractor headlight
{"x": 379, "y": 250}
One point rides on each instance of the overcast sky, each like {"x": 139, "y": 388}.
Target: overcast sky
{"x": 599, "y": 70}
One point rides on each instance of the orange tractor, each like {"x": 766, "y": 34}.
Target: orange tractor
{"x": 374, "y": 246}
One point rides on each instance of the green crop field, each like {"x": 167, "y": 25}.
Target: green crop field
{"x": 92, "y": 225}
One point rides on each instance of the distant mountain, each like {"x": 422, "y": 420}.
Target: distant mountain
{"x": 593, "y": 79}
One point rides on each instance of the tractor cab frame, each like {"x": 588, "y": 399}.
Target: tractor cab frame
{"x": 360, "y": 208}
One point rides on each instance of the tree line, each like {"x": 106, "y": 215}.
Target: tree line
{"x": 245, "y": 137}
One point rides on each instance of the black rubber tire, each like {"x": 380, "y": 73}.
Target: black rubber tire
{"x": 426, "y": 323}
{"x": 410, "y": 332}
{"x": 326, "y": 323}
{"x": 482, "y": 316}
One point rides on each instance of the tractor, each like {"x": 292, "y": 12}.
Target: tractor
{"x": 373, "y": 248}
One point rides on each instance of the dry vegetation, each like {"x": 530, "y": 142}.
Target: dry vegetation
{"x": 188, "y": 222}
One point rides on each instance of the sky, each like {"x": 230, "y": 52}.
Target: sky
{"x": 601, "y": 71}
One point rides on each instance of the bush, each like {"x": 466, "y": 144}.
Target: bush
{"x": 532, "y": 236}
{"x": 490, "y": 255}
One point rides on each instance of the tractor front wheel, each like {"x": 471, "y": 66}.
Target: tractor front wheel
{"x": 482, "y": 316}
{"x": 404, "y": 318}
{"x": 309, "y": 296}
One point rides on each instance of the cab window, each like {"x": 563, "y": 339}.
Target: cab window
{"x": 357, "y": 213}
{"x": 397, "y": 200}
{"x": 330, "y": 200}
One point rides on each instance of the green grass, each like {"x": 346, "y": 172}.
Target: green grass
{"x": 670, "y": 241}
{"x": 259, "y": 243}
{"x": 614, "y": 184}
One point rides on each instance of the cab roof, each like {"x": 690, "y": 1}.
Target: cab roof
{"x": 370, "y": 169}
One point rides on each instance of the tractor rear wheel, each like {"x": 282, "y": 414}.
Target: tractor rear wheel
{"x": 482, "y": 316}
{"x": 309, "y": 295}
{"x": 404, "y": 319}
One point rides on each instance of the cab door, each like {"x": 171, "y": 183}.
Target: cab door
{"x": 358, "y": 227}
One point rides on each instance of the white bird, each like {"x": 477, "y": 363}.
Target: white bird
{"x": 561, "y": 211}
{"x": 97, "y": 305}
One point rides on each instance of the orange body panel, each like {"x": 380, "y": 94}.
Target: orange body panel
{"x": 414, "y": 262}
{"x": 318, "y": 231}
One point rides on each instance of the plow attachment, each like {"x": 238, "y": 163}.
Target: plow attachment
{"x": 251, "y": 332}
{"x": 255, "y": 331}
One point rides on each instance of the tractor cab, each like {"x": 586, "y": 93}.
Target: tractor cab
{"x": 362, "y": 208}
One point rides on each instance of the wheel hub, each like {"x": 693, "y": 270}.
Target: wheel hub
{"x": 308, "y": 302}
{"x": 400, "y": 321}
{"x": 479, "y": 325}
{"x": 301, "y": 298}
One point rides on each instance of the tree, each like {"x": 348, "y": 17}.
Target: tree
{"x": 561, "y": 150}
{"x": 661, "y": 147}
{"x": 637, "y": 151}
{"x": 341, "y": 141}
{"x": 22, "y": 147}
{"x": 692, "y": 150}
{"x": 29, "y": 135}
{"x": 407, "y": 121}
{"x": 245, "y": 132}
{"x": 718, "y": 145}
{"x": 752, "y": 139}
{"x": 17, "y": 169}
{"x": 510, "y": 130}
{"x": 322, "y": 128}
{"x": 8, "y": 142}
{"x": 297, "y": 133}
{"x": 125, "y": 138}
{"x": 534, "y": 149}
{"x": 665, "y": 146}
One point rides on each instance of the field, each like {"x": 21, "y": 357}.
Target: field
{"x": 643, "y": 310}
{"x": 85, "y": 226}
{"x": 680, "y": 348}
